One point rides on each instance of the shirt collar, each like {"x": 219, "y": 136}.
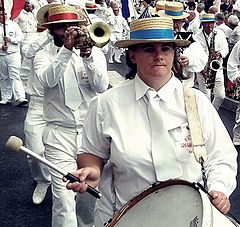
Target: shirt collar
{"x": 165, "y": 93}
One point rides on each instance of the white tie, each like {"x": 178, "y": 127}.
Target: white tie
{"x": 164, "y": 156}
{"x": 73, "y": 97}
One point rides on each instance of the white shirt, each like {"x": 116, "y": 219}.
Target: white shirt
{"x": 235, "y": 35}
{"x": 14, "y": 32}
{"x": 119, "y": 27}
{"x": 197, "y": 60}
{"x": 227, "y": 31}
{"x": 34, "y": 86}
{"x": 26, "y": 21}
{"x": 194, "y": 26}
{"x": 233, "y": 64}
{"x": 51, "y": 68}
{"x": 221, "y": 43}
{"x": 117, "y": 129}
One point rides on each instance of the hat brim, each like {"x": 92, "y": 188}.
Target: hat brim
{"x": 41, "y": 12}
{"x": 131, "y": 42}
{"x": 63, "y": 21}
{"x": 161, "y": 13}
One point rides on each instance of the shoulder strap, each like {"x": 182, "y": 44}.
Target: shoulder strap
{"x": 199, "y": 147}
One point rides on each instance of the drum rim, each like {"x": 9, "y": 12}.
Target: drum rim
{"x": 138, "y": 198}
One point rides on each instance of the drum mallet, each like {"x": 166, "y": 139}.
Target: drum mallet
{"x": 15, "y": 144}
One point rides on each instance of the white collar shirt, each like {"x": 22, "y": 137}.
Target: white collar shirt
{"x": 53, "y": 64}
{"x": 117, "y": 129}
{"x": 26, "y": 21}
{"x": 233, "y": 64}
{"x": 14, "y": 32}
{"x": 221, "y": 43}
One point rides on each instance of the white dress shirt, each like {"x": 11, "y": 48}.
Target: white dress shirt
{"x": 233, "y": 64}
{"x": 14, "y": 32}
{"x": 117, "y": 129}
{"x": 221, "y": 43}
{"x": 52, "y": 66}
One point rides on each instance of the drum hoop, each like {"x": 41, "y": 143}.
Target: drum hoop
{"x": 145, "y": 193}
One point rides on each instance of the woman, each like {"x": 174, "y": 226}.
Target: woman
{"x": 117, "y": 130}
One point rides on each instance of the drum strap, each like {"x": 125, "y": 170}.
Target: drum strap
{"x": 198, "y": 143}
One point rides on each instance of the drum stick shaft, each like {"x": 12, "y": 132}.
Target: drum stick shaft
{"x": 15, "y": 144}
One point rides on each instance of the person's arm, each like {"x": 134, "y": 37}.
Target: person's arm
{"x": 221, "y": 163}
{"x": 233, "y": 64}
{"x": 96, "y": 69}
{"x": 89, "y": 172}
{"x": 195, "y": 57}
{"x": 50, "y": 69}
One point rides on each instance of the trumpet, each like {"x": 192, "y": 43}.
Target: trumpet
{"x": 98, "y": 34}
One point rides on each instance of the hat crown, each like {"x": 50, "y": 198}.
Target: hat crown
{"x": 62, "y": 12}
{"x": 160, "y": 5}
{"x": 174, "y": 6}
{"x": 208, "y": 17}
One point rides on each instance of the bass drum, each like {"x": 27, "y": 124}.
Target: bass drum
{"x": 174, "y": 203}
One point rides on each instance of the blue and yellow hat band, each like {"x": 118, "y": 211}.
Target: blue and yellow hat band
{"x": 152, "y": 34}
{"x": 208, "y": 17}
{"x": 173, "y": 13}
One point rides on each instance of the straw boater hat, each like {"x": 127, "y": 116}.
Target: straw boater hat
{"x": 160, "y": 5}
{"x": 90, "y": 5}
{"x": 151, "y": 30}
{"x": 209, "y": 17}
{"x": 173, "y": 10}
{"x": 42, "y": 13}
{"x": 58, "y": 14}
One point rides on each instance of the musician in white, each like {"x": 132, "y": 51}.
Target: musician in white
{"x": 71, "y": 78}
{"x": 233, "y": 73}
{"x": 192, "y": 58}
{"x": 34, "y": 123}
{"x": 119, "y": 31}
{"x": 124, "y": 126}
{"x": 28, "y": 24}
{"x": 10, "y": 63}
{"x": 220, "y": 49}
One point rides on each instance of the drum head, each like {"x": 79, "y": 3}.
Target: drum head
{"x": 171, "y": 206}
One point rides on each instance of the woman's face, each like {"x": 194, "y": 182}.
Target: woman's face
{"x": 154, "y": 61}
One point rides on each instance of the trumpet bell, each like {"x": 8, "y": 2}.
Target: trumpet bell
{"x": 100, "y": 33}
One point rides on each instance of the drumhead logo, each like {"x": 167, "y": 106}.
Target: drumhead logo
{"x": 194, "y": 222}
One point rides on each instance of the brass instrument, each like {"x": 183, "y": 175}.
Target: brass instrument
{"x": 213, "y": 64}
{"x": 98, "y": 34}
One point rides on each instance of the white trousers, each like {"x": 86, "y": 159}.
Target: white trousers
{"x": 218, "y": 90}
{"x": 61, "y": 146}
{"x": 34, "y": 126}
{"x": 114, "y": 52}
{"x": 11, "y": 84}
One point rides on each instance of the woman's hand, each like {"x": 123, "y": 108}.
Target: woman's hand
{"x": 220, "y": 201}
{"x": 87, "y": 176}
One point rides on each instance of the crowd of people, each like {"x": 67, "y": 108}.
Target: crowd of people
{"x": 124, "y": 139}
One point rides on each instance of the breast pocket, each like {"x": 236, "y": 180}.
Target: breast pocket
{"x": 82, "y": 77}
{"x": 183, "y": 143}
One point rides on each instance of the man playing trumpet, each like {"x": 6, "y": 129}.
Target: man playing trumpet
{"x": 71, "y": 77}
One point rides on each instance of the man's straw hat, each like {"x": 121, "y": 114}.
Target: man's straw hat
{"x": 160, "y": 5}
{"x": 208, "y": 17}
{"x": 173, "y": 10}
{"x": 42, "y": 13}
{"x": 151, "y": 30}
{"x": 59, "y": 13}
{"x": 90, "y": 5}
